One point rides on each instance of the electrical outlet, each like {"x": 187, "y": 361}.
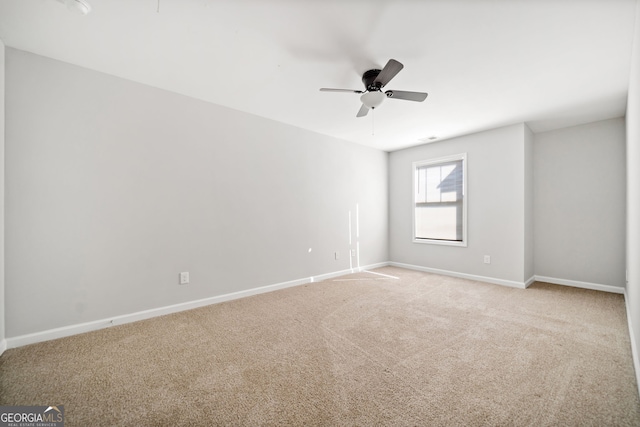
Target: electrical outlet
{"x": 353, "y": 252}
{"x": 337, "y": 255}
{"x": 487, "y": 259}
{"x": 184, "y": 278}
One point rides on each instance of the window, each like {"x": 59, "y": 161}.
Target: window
{"x": 440, "y": 207}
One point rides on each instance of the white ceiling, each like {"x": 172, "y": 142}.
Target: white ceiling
{"x": 484, "y": 63}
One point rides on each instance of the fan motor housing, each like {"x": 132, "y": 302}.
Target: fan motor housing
{"x": 368, "y": 79}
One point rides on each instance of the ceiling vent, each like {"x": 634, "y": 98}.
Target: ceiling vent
{"x": 77, "y": 5}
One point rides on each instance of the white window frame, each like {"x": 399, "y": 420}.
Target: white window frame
{"x": 421, "y": 163}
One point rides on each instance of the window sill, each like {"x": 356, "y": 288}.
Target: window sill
{"x": 440, "y": 242}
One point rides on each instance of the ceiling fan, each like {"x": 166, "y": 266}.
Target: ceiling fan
{"x": 374, "y": 80}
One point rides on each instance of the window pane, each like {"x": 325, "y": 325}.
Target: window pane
{"x": 433, "y": 182}
{"x": 449, "y": 197}
{"x": 436, "y": 222}
{"x": 421, "y": 179}
{"x": 451, "y": 185}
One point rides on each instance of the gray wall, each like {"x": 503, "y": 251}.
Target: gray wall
{"x": 2, "y": 309}
{"x": 529, "y": 199}
{"x": 496, "y": 205}
{"x": 113, "y": 188}
{"x": 633, "y": 192}
{"x": 579, "y": 212}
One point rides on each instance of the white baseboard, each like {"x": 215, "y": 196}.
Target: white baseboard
{"x": 80, "y": 328}
{"x": 322, "y": 277}
{"x": 530, "y": 281}
{"x": 634, "y": 344}
{"x": 65, "y": 331}
{"x": 503, "y": 282}
{"x": 578, "y": 284}
{"x": 373, "y": 266}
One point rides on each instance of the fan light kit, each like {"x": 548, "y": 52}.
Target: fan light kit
{"x": 374, "y": 81}
{"x": 372, "y": 99}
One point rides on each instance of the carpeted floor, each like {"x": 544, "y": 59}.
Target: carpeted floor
{"x": 364, "y": 349}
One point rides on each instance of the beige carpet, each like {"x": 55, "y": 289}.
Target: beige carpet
{"x": 362, "y": 349}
